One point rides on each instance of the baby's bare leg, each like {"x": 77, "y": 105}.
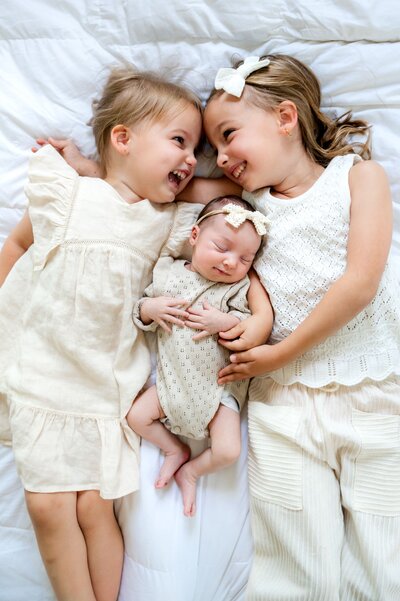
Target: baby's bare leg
{"x": 225, "y": 449}
{"x": 144, "y": 418}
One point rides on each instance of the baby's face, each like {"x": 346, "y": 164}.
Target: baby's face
{"x": 221, "y": 252}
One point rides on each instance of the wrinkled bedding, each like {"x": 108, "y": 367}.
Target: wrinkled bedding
{"x": 54, "y": 59}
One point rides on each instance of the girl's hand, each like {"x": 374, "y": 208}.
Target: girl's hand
{"x": 255, "y": 362}
{"x": 162, "y": 309}
{"x": 209, "y": 320}
{"x": 245, "y": 335}
{"x": 73, "y": 156}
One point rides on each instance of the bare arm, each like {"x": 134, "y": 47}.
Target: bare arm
{"x": 201, "y": 189}
{"x": 254, "y": 330}
{"x": 15, "y": 246}
{"x": 73, "y": 156}
{"x": 368, "y": 247}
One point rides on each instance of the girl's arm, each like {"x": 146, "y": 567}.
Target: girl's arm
{"x": 254, "y": 330}
{"x": 368, "y": 247}
{"x": 15, "y": 246}
{"x": 201, "y": 189}
{"x": 73, "y": 156}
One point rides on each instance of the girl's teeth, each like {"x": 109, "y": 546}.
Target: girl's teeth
{"x": 179, "y": 174}
{"x": 239, "y": 170}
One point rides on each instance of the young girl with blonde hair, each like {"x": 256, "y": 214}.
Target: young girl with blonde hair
{"x": 324, "y": 416}
{"x": 71, "y": 358}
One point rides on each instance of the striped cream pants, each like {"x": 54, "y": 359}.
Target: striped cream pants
{"x": 324, "y": 472}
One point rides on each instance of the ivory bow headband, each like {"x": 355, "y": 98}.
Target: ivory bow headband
{"x": 236, "y": 215}
{"x": 232, "y": 80}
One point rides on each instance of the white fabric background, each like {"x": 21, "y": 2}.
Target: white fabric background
{"x": 54, "y": 59}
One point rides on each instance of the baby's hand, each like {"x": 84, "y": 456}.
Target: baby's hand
{"x": 72, "y": 155}
{"x": 210, "y": 320}
{"x": 162, "y": 309}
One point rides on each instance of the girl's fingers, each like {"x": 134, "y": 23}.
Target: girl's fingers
{"x": 233, "y": 345}
{"x": 234, "y": 332}
{"x": 234, "y": 368}
{"x": 59, "y": 144}
{"x": 234, "y": 377}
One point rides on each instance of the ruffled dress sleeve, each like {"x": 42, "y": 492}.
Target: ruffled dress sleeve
{"x": 50, "y": 190}
{"x": 177, "y": 245}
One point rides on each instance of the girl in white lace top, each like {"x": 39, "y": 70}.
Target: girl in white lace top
{"x": 324, "y": 407}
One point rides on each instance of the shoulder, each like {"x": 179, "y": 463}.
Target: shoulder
{"x": 369, "y": 187}
{"x": 366, "y": 171}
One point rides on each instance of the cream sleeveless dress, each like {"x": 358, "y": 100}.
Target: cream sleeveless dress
{"x": 76, "y": 360}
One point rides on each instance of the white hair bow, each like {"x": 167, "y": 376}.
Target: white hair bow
{"x": 232, "y": 80}
{"x": 236, "y": 215}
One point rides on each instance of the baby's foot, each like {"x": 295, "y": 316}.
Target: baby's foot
{"x": 172, "y": 462}
{"x": 187, "y": 483}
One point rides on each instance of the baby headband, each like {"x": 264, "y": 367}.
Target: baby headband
{"x": 236, "y": 215}
{"x": 232, "y": 80}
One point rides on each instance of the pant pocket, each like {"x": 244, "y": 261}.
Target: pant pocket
{"x": 377, "y": 467}
{"x": 275, "y": 458}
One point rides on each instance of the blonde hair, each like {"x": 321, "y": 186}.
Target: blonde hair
{"x": 286, "y": 78}
{"x": 130, "y": 97}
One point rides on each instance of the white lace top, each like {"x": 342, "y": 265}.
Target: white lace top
{"x": 305, "y": 252}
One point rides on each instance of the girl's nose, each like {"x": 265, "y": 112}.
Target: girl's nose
{"x": 191, "y": 160}
{"x": 222, "y": 160}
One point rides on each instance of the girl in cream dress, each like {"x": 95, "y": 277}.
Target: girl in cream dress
{"x": 72, "y": 359}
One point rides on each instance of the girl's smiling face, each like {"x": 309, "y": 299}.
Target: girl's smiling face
{"x": 155, "y": 159}
{"x": 248, "y": 139}
{"x": 163, "y": 155}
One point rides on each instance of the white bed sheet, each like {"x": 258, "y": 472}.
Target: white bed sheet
{"x": 54, "y": 59}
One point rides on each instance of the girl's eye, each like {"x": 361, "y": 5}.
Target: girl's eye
{"x": 179, "y": 139}
{"x": 226, "y": 133}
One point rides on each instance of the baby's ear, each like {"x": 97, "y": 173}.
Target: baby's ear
{"x": 194, "y": 234}
{"x": 120, "y": 137}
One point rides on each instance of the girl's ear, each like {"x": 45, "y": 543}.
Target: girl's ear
{"x": 194, "y": 234}
{"x": 120, "y": 137}
{"x": 287, "y": 116}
